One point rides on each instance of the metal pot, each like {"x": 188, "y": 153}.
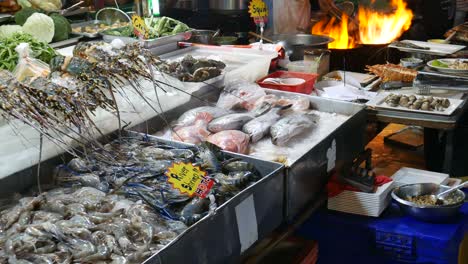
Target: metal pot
{"x": 228, "y": 6}
{"x": 428, "y": 213}
{"x": 296, "y": 44}
{"x": 202, "y": 36}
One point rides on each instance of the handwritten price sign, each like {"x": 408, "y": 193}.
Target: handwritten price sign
{"x": 189, "y": 179}
{"x": 139, "y": 27}
{"x": 258, "y": 11}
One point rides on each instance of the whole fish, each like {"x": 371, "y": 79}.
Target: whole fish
{"x": 259, "y": 127}
{"x": 229, "y": 122}
{"x": 291, "y": 126}
{"x": 205, "y": 113}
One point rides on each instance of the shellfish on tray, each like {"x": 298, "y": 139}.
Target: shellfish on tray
{"x": 417, "y": 103}
{"x": 392, "y": 72}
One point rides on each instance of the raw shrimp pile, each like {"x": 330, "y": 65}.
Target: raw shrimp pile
{"x": 115, "y": 205}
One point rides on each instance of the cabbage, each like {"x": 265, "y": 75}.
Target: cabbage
{"x": 8, "y": 30}
{"x": 40, "y": 26}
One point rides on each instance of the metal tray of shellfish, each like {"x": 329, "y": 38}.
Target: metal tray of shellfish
{"x": 151, "y": 43}
{"x": 222, "y": 237}
{"x": 416, "y": 103}
{"x": 307, "y": 176}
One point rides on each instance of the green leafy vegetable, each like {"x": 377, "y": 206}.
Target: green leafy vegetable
{"x": 22, "y": 15}
{"x": 438, "y": 63}
{"x": 8, "y": 30}
{"x": 62, "y": 28}
{"x": 9, "y": 57}
{"x": 40, "y": 26}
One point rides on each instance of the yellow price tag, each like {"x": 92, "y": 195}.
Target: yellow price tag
{"x": 139, "y": 27}
{"x": 189, "y": 179}
{"x": 258, "y": 11}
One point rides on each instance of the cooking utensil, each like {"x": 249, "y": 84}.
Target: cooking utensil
{"x": 71, "y": 8}
{"x": 202, "y": 36}
{"x": 429, "y": 213}
{"x": 296, "y": 44}
{"x": 439, "y": 197}
{"x": 112, "y": 15}
{"x": 261, "y": 37}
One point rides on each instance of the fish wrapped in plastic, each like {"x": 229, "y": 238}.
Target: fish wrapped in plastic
{"x": 194, "y": 134}
{"x": 298, "y": 103}
{"x": 259, "y": 127}
{"x": 231, "y": 140}
{"x": 205, "y": 113}
{"x": 240, "y": 94}
{"x": 229, "y": 122}
{"x": 291, "y": 126}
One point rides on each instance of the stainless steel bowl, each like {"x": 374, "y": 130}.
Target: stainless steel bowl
{"x": 296, "y": 44}
{"x": 202, "y": 36}
{"x": 428, "y": 213}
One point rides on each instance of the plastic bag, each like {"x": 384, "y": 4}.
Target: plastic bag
{"x": 240, "y": 94}
{"x": 291, "y": 16}
{"x": 231, "y": 140}
{"x": 29, "y": 67}
{"x": 194, "y": 134}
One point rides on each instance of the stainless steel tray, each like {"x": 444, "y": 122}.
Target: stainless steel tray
{"x": 307, "y": 176}
{"x": 150, "y": 43}
{"x": 87, "y": 23}
{"x": 222, "y": 237}
{"x": 68, "y": 42}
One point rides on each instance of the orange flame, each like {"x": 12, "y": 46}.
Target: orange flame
{"x": 374, "y": 27}
{"x": 337, "y": 30}
{"x": 381, "y": 28}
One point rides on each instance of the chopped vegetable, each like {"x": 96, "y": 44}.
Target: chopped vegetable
{"x": 22, "y": 15}
{"x": 438, "y": 63}
{"x": 8, "y": 30}
{"x": 40, "y": 26}
{"x": 9, "y": 57}
{"x": 62, "y": 28}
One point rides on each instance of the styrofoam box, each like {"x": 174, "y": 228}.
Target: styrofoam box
{"x": 368, "y": 204}
{"x": 410, "y": 176}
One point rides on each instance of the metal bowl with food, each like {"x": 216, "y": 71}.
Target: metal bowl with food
{"x": 416, "y": 200}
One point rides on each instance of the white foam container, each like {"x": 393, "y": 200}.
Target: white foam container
{"x": 361, "y": 203}
{"x": 410, "y": 176}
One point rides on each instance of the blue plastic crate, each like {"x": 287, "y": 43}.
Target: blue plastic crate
{"x": 391, "y": 238}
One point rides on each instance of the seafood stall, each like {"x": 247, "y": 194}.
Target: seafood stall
{"x": 311, "y": 150}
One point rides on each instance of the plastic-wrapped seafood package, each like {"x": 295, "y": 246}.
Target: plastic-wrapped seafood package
{"x": 240, "y": 94}
{"x": 231, "y": 140}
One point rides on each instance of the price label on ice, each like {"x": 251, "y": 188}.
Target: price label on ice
{"x": 189, "y": 179}
{"x": 258, "y": 11}
{"x": 139, "y": 27}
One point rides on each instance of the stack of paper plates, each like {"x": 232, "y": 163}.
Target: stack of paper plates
{"x": 369, "y": 204}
